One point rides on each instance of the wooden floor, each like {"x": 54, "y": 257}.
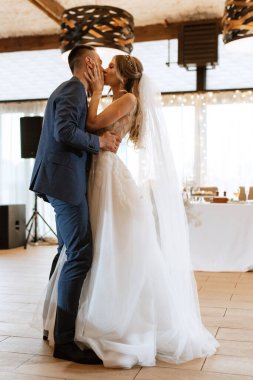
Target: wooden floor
{"x": 226, "y": 306}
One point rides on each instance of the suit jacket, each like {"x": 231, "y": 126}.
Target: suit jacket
{"x": 64, "y": 149}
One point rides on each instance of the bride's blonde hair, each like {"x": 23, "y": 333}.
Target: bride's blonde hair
{"x": 129, "y": 70}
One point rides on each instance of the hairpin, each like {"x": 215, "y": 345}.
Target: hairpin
{"x": 130, "y": 62}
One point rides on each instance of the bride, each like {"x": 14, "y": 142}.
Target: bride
{"x": 139, "y": 302}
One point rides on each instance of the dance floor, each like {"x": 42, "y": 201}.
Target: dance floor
{"x": 226, "y": 305}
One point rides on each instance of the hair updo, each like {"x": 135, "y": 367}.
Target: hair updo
{"x": 129, "y": 70}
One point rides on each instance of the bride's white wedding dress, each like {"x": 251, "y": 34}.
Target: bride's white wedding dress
{"x": 138, "y": 303}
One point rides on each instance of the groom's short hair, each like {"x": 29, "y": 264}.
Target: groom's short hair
{"x": 77, "y": 53}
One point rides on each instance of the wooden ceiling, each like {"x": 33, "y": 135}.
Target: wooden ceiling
{"x": 167, "y": 29}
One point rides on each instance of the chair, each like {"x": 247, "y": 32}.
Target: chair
{"x": 212, "y": 189}
{"x": 250, "y": 195}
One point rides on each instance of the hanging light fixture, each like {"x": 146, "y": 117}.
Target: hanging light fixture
{"x": 104, "y": 27}
{"x": 238, "y": 25}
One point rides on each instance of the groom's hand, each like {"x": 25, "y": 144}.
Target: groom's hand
{"x": 109, "y": 141}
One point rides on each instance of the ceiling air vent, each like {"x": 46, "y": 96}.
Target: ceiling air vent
{"x": 198, "y": 44}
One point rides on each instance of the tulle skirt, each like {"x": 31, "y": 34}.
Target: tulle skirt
{"x": 133, "y": 308}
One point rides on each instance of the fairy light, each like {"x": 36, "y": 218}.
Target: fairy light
{"x": 201, "y": 101}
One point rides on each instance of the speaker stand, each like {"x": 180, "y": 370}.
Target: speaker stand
{"x": 33, "y": 221}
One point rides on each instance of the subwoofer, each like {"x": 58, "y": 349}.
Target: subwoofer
{"x": 12, "y": 226}
{"x": 30, "y": 130}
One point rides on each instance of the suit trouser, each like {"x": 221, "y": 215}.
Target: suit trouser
{"x": 74, "y": 228}
{"x": 59, "y": 249}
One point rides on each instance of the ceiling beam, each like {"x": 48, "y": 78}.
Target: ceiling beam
{"x": 153, "y": 32}
{"x": 44, "y": 42}
{"x": 51, "y": 7}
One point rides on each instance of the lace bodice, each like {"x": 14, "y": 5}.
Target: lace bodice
{"x": 123, "y": 125}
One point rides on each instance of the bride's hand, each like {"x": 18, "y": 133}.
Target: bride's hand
{"x": 95, "y": 78}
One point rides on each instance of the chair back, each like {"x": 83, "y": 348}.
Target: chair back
{"x": 250, "y": 195}
{"x": 212, "y": 189}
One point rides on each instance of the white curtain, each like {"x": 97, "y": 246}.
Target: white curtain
{"x": 15, "y": 172}
{"x": 211, "y": 136}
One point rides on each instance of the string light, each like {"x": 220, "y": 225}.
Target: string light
{"x": 201, "y": 102}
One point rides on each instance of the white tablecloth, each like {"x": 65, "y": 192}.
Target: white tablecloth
{"x": 221, "y": 237}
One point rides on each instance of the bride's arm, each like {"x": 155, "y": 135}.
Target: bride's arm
{"x": 110, "y": 114}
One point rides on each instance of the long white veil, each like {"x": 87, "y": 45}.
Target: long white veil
{"x": 155, "y": 172}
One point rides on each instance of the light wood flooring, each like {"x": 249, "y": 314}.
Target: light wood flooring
{"x": 226, "y": 305}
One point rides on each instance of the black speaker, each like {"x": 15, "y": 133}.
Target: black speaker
{"x": 12, "y": 226}
{"x": 30, "y": 130}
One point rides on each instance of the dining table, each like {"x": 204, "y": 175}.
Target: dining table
{"x": 221, "y": 236}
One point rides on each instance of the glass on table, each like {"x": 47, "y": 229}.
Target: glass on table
{"x": 236, "y": 195}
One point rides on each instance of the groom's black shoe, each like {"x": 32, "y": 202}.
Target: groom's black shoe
{"x": 70, "y": 351}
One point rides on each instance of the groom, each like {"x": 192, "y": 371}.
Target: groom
{"x": 60, "y": 177}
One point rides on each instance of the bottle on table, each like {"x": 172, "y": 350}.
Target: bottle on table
{"x": 242, "y": 193}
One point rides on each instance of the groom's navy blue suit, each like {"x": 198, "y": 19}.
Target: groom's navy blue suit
{"x": 60, "y": 177}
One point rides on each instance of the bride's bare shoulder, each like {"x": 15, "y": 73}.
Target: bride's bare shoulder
{"x": 129, "y": 97}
